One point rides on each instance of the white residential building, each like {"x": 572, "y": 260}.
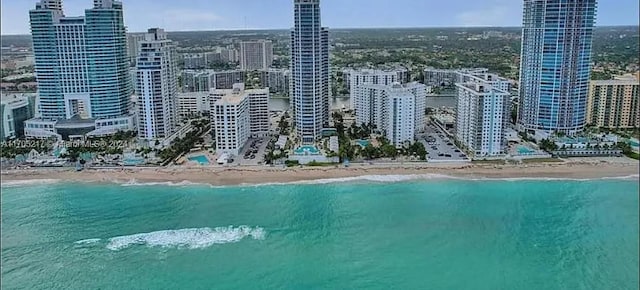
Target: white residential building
{"x": 400, "y": 124}
{"x": 256, "y": 55}
{"x": 258, "y": 100}
{"x": 230, "y": 113}
{"x": 446, "y": 77}
{"x": 206, "y": 80}
{"x": 156, "y": 86}
{"x": 379, "y": 104}
{"x": 482, "y": 116}
{"x": 371, "y": 76}
{"x": 192, "y": 104}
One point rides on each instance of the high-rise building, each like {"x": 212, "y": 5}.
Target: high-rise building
{"x": 371, "y": 76}
{"x": 482, "y": 116}
{"x": 133, "y": 42}
{"x": 258, "y": 101}
{"x": 447, "y": 77}
{"x": 555, "y": 64}
{"x": 206, "y": 80}
{"x": 156, "y": 86}
{"x": 256, "y": 55}
{"x": 379, "y": 105}
{"x": 230, "y": 115}
{"x": 277, "y": 80}
{"x": 82, "y": 69}
{"x": 15, "y": 110}
{"x": 614, "y": 103}
{"x": 192, "y": 105}
{"x": 309, "y": 71}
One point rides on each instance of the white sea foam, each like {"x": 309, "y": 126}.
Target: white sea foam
{"x": 376, "y": 179}
{"x": 88, "y": 241}
{"x": 187, "y": 238}
{"x": 31, "y": 182}
{"x": 134, "y": 182}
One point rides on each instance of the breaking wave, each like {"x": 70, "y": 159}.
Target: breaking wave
{"x": 184, "y": 238}
{"x": 31, "y": 182}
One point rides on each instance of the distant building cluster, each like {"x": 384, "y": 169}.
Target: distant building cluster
{"x": 88, "y": 68}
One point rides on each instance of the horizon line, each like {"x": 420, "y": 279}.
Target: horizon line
{"x": 346, "y": 28}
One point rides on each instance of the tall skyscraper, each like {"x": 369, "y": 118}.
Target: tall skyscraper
{"x": 157, "y": 86}
{"x": 256, "y": 55}
{"x": 556, "y": 64}
{"x": 309, "y": 70}
{"x": 82, "y": 70}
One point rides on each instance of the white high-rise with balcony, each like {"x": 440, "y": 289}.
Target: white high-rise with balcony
{"x": 482, "y": 116}
{"x": 389, "y": 109}
{"x": 231, "y": 121}
{"x": 258, "y": 100}
{"x": 156, "y": 86}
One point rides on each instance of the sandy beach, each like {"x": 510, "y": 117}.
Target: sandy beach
{"x": 587, "y": 168}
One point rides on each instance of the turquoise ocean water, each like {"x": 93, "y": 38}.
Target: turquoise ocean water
{"x": 431, "y": 234}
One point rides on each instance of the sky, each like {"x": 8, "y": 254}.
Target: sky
{"x": 185, "y": 15}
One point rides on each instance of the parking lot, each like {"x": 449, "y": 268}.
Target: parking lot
{"x": 253, "y": 152}
{"x": 439, "y": 146}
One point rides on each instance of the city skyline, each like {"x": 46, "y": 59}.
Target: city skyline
{"x": 223, "y": 15}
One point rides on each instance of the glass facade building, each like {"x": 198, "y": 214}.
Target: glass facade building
{"x": 81, "y": 64}
{"x": 309, "y": 71}
{"x": 556, "y": 64}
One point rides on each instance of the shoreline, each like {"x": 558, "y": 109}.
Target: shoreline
{"x": 569, "y": 169}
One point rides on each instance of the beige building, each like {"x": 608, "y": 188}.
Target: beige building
{"x": 614, "y": 103}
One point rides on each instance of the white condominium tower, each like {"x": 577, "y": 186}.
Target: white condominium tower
{"x": 82, "y": 69}
{"x": 256, "y": 55}
{"x": 483, "y": 112}
{"x": 371, "y": 76}
{"x": 258, "y": 102}
{"x": 309, "y": 71}
{"x": 230, "y": 113}
{"x": 156, "y": 86}
{"x": 389, "y": 109}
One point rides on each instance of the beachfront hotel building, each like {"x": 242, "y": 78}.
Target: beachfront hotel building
{"x": 256, "y": 55}
{"x": 389, "y": 108}
{"x": 482, "y": 116}
{"x": 258, "y": 107}
{"x": 614, "y": 103}
{"x": 82, "y": 69}
{"x": 555, "y": 64}
{"x": 156, "y": 86}
{"x": 309, "y": 71}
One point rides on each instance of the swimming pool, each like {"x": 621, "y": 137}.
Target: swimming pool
{"x": 634, "y": 143}
{"x": 307, "y": 150}
{"x": 522, "y": 150}
{"x": 201, "y": 159}
{"x": 363, "y": 143}
{"x": 132, "y": 162}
